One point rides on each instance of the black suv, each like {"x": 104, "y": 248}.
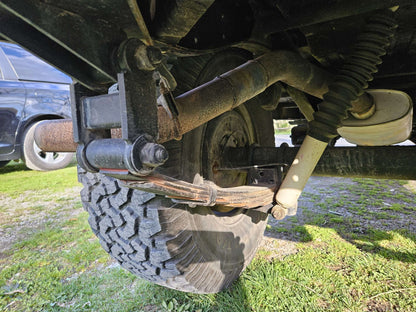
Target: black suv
{"x": 30, "y": 91}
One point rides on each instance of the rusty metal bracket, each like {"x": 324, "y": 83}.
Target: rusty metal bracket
{"x": 137, "y": 94}
{"x": 81, "y": 134}
{"x": 137, "y": 89}
{"x": 136, "y": 150}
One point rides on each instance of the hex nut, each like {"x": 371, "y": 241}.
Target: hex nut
{"x": 279, "y": 212}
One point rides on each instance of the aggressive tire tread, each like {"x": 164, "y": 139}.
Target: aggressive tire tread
{"x": 164, "y": 242}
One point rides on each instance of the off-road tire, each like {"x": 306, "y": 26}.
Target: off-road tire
{"x": 190, "y": 249}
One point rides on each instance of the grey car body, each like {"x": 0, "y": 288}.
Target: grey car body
{"x": 30, "y": 91}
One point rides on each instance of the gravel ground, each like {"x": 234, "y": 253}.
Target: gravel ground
{"x": 322, "y": 196}
{"x": 28, "y": 213}
{"x": 384, "y": 205}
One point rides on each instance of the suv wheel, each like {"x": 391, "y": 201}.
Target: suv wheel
{"x": 201, "y": 249}
{"x": 36, "y": 159}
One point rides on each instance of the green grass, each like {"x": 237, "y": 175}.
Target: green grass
{"x": 17, "y": 177}
{"x": 327, "y": 274}
{"x": 341, "y": 262}
{"x": 282, "y": 127}
{"x": 37, "y": 267}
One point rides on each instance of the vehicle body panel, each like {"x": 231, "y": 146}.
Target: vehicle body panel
{"x": 24, "y": 100}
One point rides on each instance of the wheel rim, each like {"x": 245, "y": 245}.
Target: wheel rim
{"x": 231, "y": 129}
{"x": 48, "y": 157}
{"x": 228, "y": 130}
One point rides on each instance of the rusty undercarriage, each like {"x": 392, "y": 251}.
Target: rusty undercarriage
{"x": 173, "y": 105}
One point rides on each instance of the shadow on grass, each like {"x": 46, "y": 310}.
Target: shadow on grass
{"x": 368, "y": 229}
{"x": 370, "y": 242}
{"x": 13, "y": 166}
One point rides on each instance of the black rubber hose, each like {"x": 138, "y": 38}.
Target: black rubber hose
{"x": 354, "y": 76}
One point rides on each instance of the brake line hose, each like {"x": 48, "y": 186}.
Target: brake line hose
{"x": 350, "y": 83}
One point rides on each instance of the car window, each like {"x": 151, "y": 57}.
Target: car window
{"x": 29, "y": 67}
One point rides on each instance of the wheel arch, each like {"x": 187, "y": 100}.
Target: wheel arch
{"x": 27, "y": 123}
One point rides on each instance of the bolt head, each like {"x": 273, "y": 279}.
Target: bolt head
{"x": 155, "y": 55}
{"x": 161, "y": 154}
{"x": 153, "y": 155}
{"x": 278, "y": 212}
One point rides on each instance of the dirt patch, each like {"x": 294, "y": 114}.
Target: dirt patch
{"x": 411, "y": 186}
{"x": 25, "y": 215}
{"x": 380, "y": 306}
{"x": 348, "y": 205}
{"x": 353, "y": 205}
{"x": 279, "y": 248}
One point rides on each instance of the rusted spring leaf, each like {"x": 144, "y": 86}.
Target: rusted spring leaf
{"x": 207, "y": 194}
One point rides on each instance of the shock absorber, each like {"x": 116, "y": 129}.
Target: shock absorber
{"x": 354, "y": 76}
{"x": 350, "y": 83}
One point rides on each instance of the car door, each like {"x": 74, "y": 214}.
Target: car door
{"x": 12, "y": 102}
